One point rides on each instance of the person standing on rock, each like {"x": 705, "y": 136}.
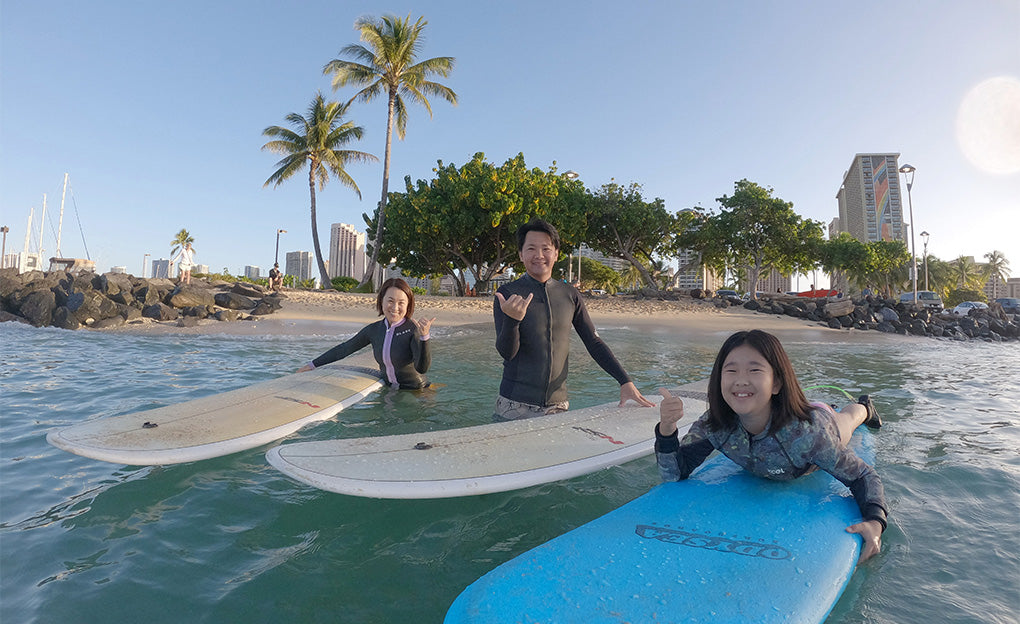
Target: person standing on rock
{"x": 187, "y": 260}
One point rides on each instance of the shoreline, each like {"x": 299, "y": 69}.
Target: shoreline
{"x": 330, "y": 312}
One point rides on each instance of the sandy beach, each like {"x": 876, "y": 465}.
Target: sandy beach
{"x": 325, "y": 312}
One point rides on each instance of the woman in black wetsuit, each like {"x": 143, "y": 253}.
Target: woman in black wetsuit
{"x": 400, "y": 343}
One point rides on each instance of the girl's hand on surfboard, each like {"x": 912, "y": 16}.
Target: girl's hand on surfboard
{"x": 516, "y": 306}
{"x": 671, "y": 411}
{"x": 871, "y": 532}
{"x": 629, "y": 392}
{"x": 423, "y": 326}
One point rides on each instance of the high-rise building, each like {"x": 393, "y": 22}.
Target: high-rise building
{"x": 161, "y": 268}
{"x": 346, "y": 251}
{"x": 299, "y": 264}
{"x": 251, "y": 272}
{"x": 774, "y": 282}
{"x": 870, "y": 203}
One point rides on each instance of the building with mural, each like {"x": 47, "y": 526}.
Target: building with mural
{"x": 870, "y": 202}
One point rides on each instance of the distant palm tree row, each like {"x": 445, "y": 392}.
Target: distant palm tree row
{"x": 386, "y": 63}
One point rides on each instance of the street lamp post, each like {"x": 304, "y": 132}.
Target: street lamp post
{"x": 3, "y": 249}
{"x": 924, "y": 254}
{"x": 908, "y": 173}
{"x": 145, "y": 259}
{"x": 276, "y": 258}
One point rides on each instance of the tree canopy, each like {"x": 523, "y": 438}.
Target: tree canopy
{"x": 465, "y": 219}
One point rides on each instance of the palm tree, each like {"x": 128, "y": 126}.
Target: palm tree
{"x": 997, "y": 269}
{"x": 181, "y": 239}
{"x": 387, "y": 63}
{"x": 316, "y": 140}
{"x": 965, "y": 271}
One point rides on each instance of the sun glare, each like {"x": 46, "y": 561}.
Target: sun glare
{"x": 988, "y": 125}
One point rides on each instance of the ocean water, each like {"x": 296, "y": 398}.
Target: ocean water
{"x": 231, "y": 540}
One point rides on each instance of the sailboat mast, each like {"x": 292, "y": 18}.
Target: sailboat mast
{"x": 60, "y": 223}
{"x": 28, "y": 230}
{"x": 42, "y": 222}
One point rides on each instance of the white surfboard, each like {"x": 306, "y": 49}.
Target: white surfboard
{"x": 223, "y": 423}
{"x": 486, "y": 458}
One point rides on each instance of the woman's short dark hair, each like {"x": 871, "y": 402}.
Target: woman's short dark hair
{"x": 537, "y": 225}
{"x": 399, "y": 284}
{"x": 787, "y": 404}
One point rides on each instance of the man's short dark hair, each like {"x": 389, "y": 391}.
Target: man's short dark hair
{"x": 537, "y": 225}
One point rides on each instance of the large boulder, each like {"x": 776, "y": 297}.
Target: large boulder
{"x": 187, "y": 295}
{"x": 233, "y": 301}
{"x": 248, "y": 290}
{"x": 159, "y": 312}
{"x": 37, "y": 308}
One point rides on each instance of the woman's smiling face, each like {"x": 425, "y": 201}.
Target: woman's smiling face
{"x": 394, "y": 305}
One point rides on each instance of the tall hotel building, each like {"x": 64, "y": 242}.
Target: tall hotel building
{"x": 870, "y": 203}
{"x": 300, "y": 264}
{"x": 346, "y": 251}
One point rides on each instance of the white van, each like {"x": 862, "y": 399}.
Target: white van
{"x": 925, "y": 298}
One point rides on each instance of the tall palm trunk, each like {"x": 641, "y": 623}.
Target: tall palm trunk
{"x": 380, "y": 219}
{"x": 312, "y": 170}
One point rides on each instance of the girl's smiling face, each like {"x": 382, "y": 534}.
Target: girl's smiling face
{"x": 394, "y": 305}
{"x": 748, "y": 383}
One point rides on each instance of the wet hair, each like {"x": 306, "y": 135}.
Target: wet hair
{"x": 787, "y": 404}
{"x": 401, "y": 285}
{"x": 537, "y": 225}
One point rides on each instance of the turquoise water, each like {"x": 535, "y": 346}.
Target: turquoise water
{"x": 232, "y": 540}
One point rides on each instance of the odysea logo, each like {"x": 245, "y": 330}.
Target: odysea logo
{"x": 298, "y": 401}
{"x": 712, "y": 542}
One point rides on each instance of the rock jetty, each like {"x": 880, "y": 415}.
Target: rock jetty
{"x": 888, "y": 315}
{"x": 73, "y": 301}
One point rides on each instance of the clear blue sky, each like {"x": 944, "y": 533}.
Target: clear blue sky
{"x": 156, "y": 110}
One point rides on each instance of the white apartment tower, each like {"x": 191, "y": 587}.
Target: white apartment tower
{"x": 870, "y": 203}
{"x": 299, "y": 264}
{"x": 346, "y": 251}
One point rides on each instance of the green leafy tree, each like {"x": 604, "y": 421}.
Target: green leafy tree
{"x": 846, "y": 257}
{"x": 387, "y": 64}
{"x": 888, "y": 265}
{"x": 316, "y": 141}
{"x": 594, "y": 274}
{"x": 997, "y": 270}
{"x": 755, "y": 232}
{"x": 179, "y": 240}
{"x": 465, "y": 219}
{"x": 621, "y": 224}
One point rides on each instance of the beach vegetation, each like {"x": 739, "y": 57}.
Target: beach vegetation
{"x": 966, "y": 273}
{"x": 386, "y": 65}
{"x": 464, "y": 220}
{"x": 957, "y": 296}
{"x": 755, "y": 232}
{"x": 317, "y": 140}
{"x": 996, "y": 270}
{"x": 343, "y": 283}
{"x": 621, "y": 224}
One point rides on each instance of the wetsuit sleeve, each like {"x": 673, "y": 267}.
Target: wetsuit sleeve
{"x": 676, "y": 459}
{"x": 342, "y": 350}
{"x": 856, "y": 474}
{"x": 597, "y": 348}
{"x": 421, "y": 353}
{"x": 508, "y": 331}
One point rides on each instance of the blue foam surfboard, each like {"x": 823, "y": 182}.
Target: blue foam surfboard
{"x": 722, "y": 546}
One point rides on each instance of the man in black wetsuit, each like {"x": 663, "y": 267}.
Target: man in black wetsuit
{"x": 533, "y": 317}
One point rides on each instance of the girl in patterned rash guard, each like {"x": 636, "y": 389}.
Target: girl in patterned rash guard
{"x": 759, "y": 418}
{"x": 399, "y": 342}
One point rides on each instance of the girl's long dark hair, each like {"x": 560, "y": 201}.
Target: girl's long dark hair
{"x": 789, "y": 403}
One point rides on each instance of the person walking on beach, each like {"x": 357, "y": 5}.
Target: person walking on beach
{"x": 400, "y": 343}
{"x": 759, "y": 417}
{"x": 533, "y": 317}
{"x": 187, "y": 260}
{"x": 275, "y": 277}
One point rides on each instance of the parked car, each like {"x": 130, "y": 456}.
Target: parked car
{"x": 726, "y": 293}
{"x": 1010, "y": 305}
{"x": 964, "y": 308}
{"x": 925, "y": 298}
